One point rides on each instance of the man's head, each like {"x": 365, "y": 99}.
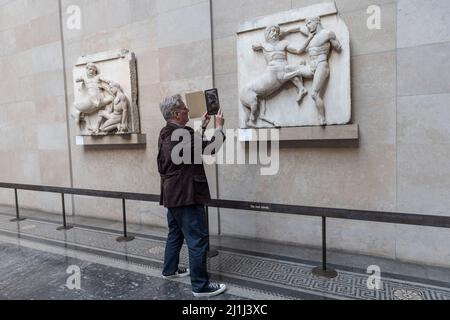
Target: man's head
{"x": 272, "y": 33}
{"x": 91, "y": 70}
{"x": 174, "y": 110}
{"x": 312, "y": 23}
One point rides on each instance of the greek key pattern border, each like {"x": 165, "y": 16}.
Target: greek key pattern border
{"x": 276, "y": 273}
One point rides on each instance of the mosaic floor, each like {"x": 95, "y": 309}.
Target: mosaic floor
{"x": 34, "y": 258}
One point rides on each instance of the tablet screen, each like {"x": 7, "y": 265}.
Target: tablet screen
{"x": 212, "y": 101}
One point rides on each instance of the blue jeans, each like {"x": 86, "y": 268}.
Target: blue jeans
{"x": 188, "y": 223}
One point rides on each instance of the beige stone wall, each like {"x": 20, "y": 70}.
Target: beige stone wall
{"x": 401, "y": 93}
{"x": 33, "y": 144}
{"x": 400, "y": 100}
{"x": 172, "y": 43}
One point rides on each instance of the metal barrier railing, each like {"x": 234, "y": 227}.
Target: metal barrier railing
{"x": 323, "y": 213}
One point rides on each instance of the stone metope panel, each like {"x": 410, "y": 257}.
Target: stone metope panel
{"x": 294, "y": 69}
{"x": 105, "y": 89}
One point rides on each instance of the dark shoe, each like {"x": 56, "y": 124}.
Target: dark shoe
{"x": 182, "y": 272}
{"x": 213, "y": 289}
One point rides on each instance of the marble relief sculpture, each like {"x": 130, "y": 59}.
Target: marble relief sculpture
{"x": 106, "y": 102}
{"x": 115, "y": 117}
{"x": 104, "y": 98}
{"x": 277, "y": 73}
{"x": 298, "y": 57}
{"x": 98, "y": 92}
{"x": 319, "y": 44}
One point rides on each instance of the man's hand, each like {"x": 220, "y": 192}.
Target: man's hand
{"x": 220, "y": 120}
{"x": 205, "y": 120}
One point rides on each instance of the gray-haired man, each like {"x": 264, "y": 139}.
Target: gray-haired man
{"x": 184, "y": 191}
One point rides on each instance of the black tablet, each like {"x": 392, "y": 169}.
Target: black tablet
{"x": 212, "y": 101}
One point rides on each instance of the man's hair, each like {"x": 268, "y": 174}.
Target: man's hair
{"x": 269, "y": 28}
{"x": 170, "y": 104}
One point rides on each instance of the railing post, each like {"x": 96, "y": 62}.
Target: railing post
{"x": 126, "y": 237}
{"x": 17, "y": 218}
{"x": 211, "y": 253}
{"x": 323, "y": 271}
{"x": 64, "y": 226}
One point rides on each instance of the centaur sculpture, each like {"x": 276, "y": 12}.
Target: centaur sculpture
{"x": 279, "y": 72}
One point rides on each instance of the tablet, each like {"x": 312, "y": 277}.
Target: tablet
{"x": 212, "y": 101}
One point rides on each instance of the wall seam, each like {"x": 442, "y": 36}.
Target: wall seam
{"x": 213, "y": 74}
{"x": 66, "y": 101}
{"x": 396, "y": 125}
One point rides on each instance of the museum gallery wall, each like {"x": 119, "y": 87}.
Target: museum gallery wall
{"x": 391, "y": 83}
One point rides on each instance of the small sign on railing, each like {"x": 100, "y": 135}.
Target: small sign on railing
{"x": 260, "y": 207}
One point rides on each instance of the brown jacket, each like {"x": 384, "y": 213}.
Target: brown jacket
{"x": 182, "y": 184}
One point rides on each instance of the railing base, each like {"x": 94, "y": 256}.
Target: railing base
{"x": 328, "y": 273}
{"x": 18, "y": 219}
{"x": 125, "y": 239}
{"x": 213, "y": 253}
{"x": 64, "y": 228}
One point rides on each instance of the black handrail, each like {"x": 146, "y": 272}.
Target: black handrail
{"x": 83, "y": 192}
{"x": 348, "y": 214}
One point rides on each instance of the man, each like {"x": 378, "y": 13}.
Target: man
{"x": 184, "y": 191}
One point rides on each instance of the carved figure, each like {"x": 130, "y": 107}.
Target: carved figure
{"x": 278, "y": 72}
{"x": 115, "y": 117}
{"x": 98, "y": 95}
{"x": 319, "y": 44}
